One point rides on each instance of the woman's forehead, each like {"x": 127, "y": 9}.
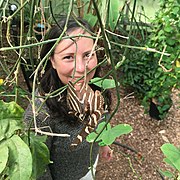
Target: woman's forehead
{"x": 71, "y": 43}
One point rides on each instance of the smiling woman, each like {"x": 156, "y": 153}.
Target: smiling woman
{"x": 71, "y": 63}
{"x": 72, "y": 58}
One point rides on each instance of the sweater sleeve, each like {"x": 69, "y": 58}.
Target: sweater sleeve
{"x": 43, "y": 122}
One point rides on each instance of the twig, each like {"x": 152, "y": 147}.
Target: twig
{"x": 129, "y": 96}
{"x": 43, "y": 42}
{"x": 36, "y": 74}
{"x": 37, "y": 130}
{"x": 131, "y": 166}
{"x": 140, "y": 48}
{"x": 164, "y": 69}
{"x": 118, "y": 35}
{"x": 126, "y": 147}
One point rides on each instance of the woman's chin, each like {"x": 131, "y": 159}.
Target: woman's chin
{"x": 78, "y": 87}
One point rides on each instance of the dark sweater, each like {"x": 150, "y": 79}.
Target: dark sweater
{"x": 67, "y": 164}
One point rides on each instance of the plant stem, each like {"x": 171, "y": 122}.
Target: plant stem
{"x": 39, "y": 66}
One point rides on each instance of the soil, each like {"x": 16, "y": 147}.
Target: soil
{"x": 147, "y": 137}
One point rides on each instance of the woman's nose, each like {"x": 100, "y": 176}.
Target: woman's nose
{"x": 80, "y": 65}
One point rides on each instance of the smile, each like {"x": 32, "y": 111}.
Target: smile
{"x": 79, "y": 84}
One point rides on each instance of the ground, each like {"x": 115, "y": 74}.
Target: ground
{"x": 147, "y": 137}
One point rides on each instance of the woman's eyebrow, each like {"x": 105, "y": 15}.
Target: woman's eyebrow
{"x": 89, "y": 51}
{"x": 68, "y": 53}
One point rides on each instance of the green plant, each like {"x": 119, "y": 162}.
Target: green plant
{"x": 153, "y": 75}
{"x": 105, "y": 135}
{"x": 173, "y": 159}
{"x": 22, "y": 156}
{"x": 165, "y": 37}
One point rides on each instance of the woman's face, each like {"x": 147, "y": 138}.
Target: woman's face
{"x": 72, "y": 59}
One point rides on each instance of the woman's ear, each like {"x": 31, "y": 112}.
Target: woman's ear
{"x": 52, "y": 62}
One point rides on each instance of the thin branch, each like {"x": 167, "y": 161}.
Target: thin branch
{"x": 118, "y": 35}
{"x": 37, "y": 130}
{"x": 43, "y": 42}
{"x": 39, "y": 66}
{"x": 125, "y": 146}
{"x": 164, "y": 69}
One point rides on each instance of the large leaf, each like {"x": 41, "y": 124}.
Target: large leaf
{"x": 167, "y": 174}
{"x": 92, "y": 136}
{"x": 4, "y": 152}
{"x": 114, "y": 13}
{"x": 20, "y": 159}
{"x": 172, "y": 154}
{"x": 10, "y": 110}
{"x": 10, "y": 119}
{"x": 40, "y": 154}
{"x": 121, "y": 129}
{"x": 4, "y": 126}
{"x": 91, "y": 19}
{"x": 109, "y": 136}
{"x": 167, "y": 161}
{"x": 104, "y": 83}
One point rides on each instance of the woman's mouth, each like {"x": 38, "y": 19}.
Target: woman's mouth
{"x": 76, "y": 79}
{"x": 78, "y": 84}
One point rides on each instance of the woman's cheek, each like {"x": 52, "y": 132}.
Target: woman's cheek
{"x": 64, "y": 72}
{"x": 92, "y": 63}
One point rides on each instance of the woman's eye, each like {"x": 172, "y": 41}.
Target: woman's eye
{"x": 68, "y": 58}
{"x": 89, "y": 55}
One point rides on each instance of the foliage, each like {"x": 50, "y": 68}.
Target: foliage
{"x": 18, "y": 160}
{"x": 165, "y": 34}
{"x": 151, "y": 73}
{"x": 173, "y": 159}
{"x": 103, "y": 83}
{"x": 106, "y": 135}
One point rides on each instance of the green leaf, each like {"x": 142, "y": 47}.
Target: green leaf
{"x": 109, "y": 136}
{"x": 40, "y": 154}
{"x": 101, "y": 126}
{"x": 104, "y": 83}
{"x": 167, "y": 174}
{"x": 4, "y": 153}
{"x": 167, "y": 161}
{"x": 114, "y": 13}
{"x": 10, "y": 119}
{"x": 91, "y": 19}
{"x": 168, "y": 29}
{"x": 4, "y": 125}
{"x": 172, "y": 154}
{"x": 121, "y": 129}
{"x": 92, "y": 136}
{"x": 175, "y": 10}
{"x": 20, "y": 159}
{"x": 165, "y": 107}
{"x": 10, "y": 110}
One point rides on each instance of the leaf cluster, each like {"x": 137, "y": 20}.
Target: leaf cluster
{"x": 153, "y": 75}
{"x": 18, "y": 159}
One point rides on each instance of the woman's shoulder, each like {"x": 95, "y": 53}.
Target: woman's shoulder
{"x": 39, "y": 106}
